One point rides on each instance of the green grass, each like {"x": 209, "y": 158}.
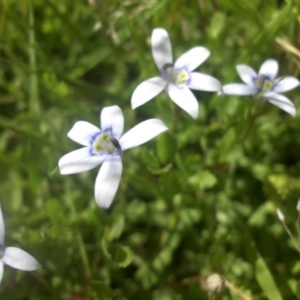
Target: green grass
{"x": 198, "y": 200}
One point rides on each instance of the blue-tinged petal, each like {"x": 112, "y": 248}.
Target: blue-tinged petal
{"x": 203, "y": 82}
{"x": 239, "y": 89}
{"x": 142, "y": 133}
{"x": 108, "y": 180}
{"x": 112, "y": 119}
{"x": 19, "y": 259}
{"x": 286, "y": 84}
{"x": 83, "y": 132}
{"x": 247, "y": 74}
{"x": 282, "y": 102}
{"x": 269, "y": 68}
{"x": 191, "y": 59}
{"x": 2, "y": 228}
{"x": 147, "y": 90}
{"x": 161, "y": 47}
{"x": 185, "y": 99}
{"x": 1, "y": 270}
{"x": 79, "y": 161}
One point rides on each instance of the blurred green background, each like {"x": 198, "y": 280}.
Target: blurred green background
{"x": 196, "y": 200}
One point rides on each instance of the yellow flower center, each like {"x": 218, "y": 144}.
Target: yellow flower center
{"x": 179, "y": 77}
{"x": 263, "y": 84}
{"x": 182, "y": 78}
{"x": 105, "y": 143}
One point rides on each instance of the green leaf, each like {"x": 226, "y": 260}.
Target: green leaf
{"x": 162, "y": 259}
{"x": 216, "y": 25}
{"x": 166, "y": 148}
{"x": 117, "y": 228}
{"x": 54, "y": 210}
{"x": 161, "y": 171}
{"x": 30, "y": 238}
{"x": 124, "y": 256}
{"x": 203, "y": 179}
{"x": 283, "y": 184}
{"x": 244, "y": 9}
{"x": 150, "y": 159}
{"x": 89, "y": 90}
{"x": 103, "y": 291}
{"x": 265, "y": 280}
{"x": 271, "y": 29}
{"x": 259, "y": 216}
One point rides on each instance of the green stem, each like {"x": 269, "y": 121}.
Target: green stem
{"x": 180, "y": 165}
{"x": 176, "y": 112}
{"x": 250, "y": 121}
{"x": 34, "y": 88}
{"x": 81, "y": 246}
{"x": 291, "y": 236}
{"x": 229, "y": 186}
{"x": 298, "y": 227}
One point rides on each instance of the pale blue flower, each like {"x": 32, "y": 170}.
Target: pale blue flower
{"x": 265, "y": 85}
{"x": 106, "y": 147}
{"x": 176, "y": 78}
{"x": 14, "y": 257}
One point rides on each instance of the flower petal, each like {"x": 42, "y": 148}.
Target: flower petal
{"x": 203, "y": 82}
{"x": 185, "y": 99}
{"x": 147, "y": 90}
{"x": 282, "y": 102}
{"x": 112, "y": 119}
{"x": 286, "y": 84}
{"x": 1, "y": 270}
{"x": 247, "y": 74}
{"x": 193, "y": 58}
{"x": 2, "y": 229}
{"x": 108, "y": 180}
{"x": 239, "y": 89}
{"x": 83, "y": 132}
{"x": 19, "y": 259}
{"x": 142, "y": 133}
{"x": 161, "y": 47}
{"x": 79, "y": 161}
{"x": 269, "y": 68}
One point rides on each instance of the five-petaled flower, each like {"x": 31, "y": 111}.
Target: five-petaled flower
{"x": 265, "y": 85}
{"x": 14, "y": 257}
{"x": 106, "y": 146}
{"x": 176, "y": 78}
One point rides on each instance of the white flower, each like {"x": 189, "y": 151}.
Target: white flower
{"x": 106, "y": 146}
{"x": 264, "y": 84}
{"x": 14, "y": 257}
{"x": 176, "y": 78}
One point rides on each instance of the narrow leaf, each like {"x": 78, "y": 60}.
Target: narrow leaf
{"x": 266, "y": 280}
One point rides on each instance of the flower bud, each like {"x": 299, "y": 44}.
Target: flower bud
{"x": 298, "y": 206}
{"x": 280, "y": 215}
{"x": 215, "y": 284}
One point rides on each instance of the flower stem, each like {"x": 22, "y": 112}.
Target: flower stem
{"x": 176, "y": 115}
{"x": 79, "y": 239}
{"x": 298, "y": 226}
{"x": 250, "y": 121}
{"x": 291, "y": 236}
{"x": 236, "y": 290}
